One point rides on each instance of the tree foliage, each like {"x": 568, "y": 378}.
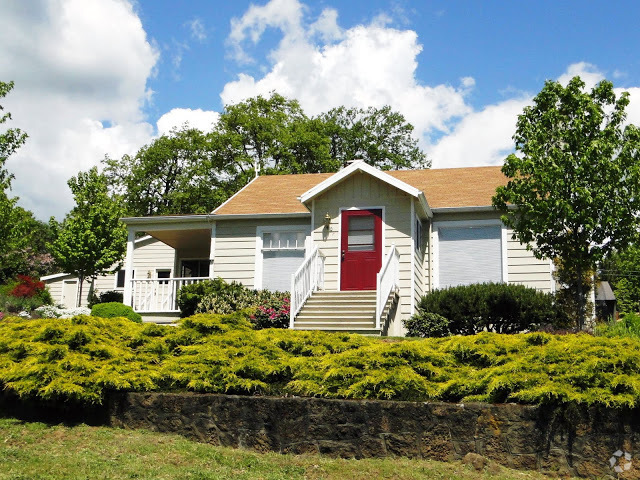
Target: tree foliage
{"x": 622, "y": 270}
{"x": 576, "y": 177}
{"x": 10, "y": 140}
{"x": 379, "y": 136}
{"x": 173, "y": 174}
{"x": 91, "y": 238}
{"x": 189, "y": 171}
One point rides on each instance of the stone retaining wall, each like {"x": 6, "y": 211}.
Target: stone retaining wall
{"x": 564, "y": 441}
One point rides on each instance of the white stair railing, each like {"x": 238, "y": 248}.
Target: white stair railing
{"x": 387, "y": 282}
{"x": 308, "y": 278}
{"x": 159, "y": 294}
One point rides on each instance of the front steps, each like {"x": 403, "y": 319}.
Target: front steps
{"x": 349, "y": 311}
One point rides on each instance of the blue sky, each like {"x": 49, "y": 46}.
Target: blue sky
{"x": 104, "y": 77}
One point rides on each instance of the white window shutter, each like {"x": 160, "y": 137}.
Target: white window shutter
{"x": 469, "y": 255}
{"x": 277, "y": 268}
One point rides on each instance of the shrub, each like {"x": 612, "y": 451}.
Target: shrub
{"x": 189, "y": 296}
{"x": 108, "y": 296}
{"x": 27, "y": 287}
{"x": 273, "y": 312}
{"x": 494, "y": 307}
{"x": 82, "y": 357}
{"x": 24, "y": 294}
{"x": 269, "y": 309}
{"x": 427, "y": 324}
{"x": 115, "y": 309}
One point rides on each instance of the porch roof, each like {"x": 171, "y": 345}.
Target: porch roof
{"x": 443, "y": 188}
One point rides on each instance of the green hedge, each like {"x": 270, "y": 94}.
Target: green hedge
{"x": 82, "y": 357}
{"x": 115, "y": 309}
{"x": 492, "y": 307}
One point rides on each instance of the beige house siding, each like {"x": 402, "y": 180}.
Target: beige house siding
{"x": 149, "y": 256}
{"x": 364, "y": 191}
{"x": 421, "y": 281}
{"x": 235, "y": 247}
{"x": 524, "y": 268}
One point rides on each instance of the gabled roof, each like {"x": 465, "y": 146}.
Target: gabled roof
{"x": 443, "y": 188}
{"x": 361, "y": 166}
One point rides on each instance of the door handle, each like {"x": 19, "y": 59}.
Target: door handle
{"x": 343, "y": 255}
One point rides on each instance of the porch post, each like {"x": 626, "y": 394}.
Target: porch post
{"x": 128, "y": 268}
{"x": 212, "y": 250}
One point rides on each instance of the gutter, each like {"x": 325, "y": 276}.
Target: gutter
{"x": 483, "y": 208}
{"x": 207, "y": 218}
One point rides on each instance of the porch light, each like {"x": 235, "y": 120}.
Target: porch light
{"x": 327, "y": 220}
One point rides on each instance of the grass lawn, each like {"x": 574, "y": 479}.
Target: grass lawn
{"x": 44, "y": 452}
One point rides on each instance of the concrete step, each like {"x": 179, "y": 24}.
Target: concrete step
{"x": 335, "y": 318}
{"x": 346, "y": 293}
{"x": 336, "y": 313}
{"x": 364, "y": 330}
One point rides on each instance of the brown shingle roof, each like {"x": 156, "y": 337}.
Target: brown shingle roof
{"x": 454, "y": 187}
{"x": 445, "y": 187}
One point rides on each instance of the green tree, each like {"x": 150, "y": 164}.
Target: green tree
{"x": 575, "y": 179}
{"x": 271, "y": 136}
{"x": 10, "y": 140}
{"x": 23, "y": 243}
{"x": 171, "y": 175}
{"x": 92, "y": 238}
{"x": 379, "y": 136}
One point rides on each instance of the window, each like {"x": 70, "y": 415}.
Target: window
{"x": 469, "y": 255}
{"x": 194, "y": 268}
{"x": 418, "y": 233}
{"x": 163, "y": 274}
{"x": 361, "y": 235}
{"x": 282, "y": 253}
{"x": 120, "y": 278}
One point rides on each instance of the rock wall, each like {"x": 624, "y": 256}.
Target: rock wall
{"x": 561, "y": 440}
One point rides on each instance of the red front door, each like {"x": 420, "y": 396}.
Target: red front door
{"x": 361, "y": 249}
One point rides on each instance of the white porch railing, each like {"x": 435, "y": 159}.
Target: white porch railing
{"x": 387, "y": 281}
{"x": 308, "y": 278}
{"x": 159, "y": 294}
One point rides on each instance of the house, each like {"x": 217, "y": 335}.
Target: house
{"x": 357, "y": 248}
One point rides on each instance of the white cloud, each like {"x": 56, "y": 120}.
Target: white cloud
{"x": 80, "y": 69}
{"x": 589, "y": 73}
{"x": 366, "y": 65}
{"x": 176, "y": 118}
{"x": 481, "y": 138}
{"x": 198, "y": 32}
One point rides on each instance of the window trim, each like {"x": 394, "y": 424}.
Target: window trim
{"x": 493, "y": 222}
{"x": 115, "y": 280}
{"x": 199, "y": 259}
{"x": 259, "y": 259}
